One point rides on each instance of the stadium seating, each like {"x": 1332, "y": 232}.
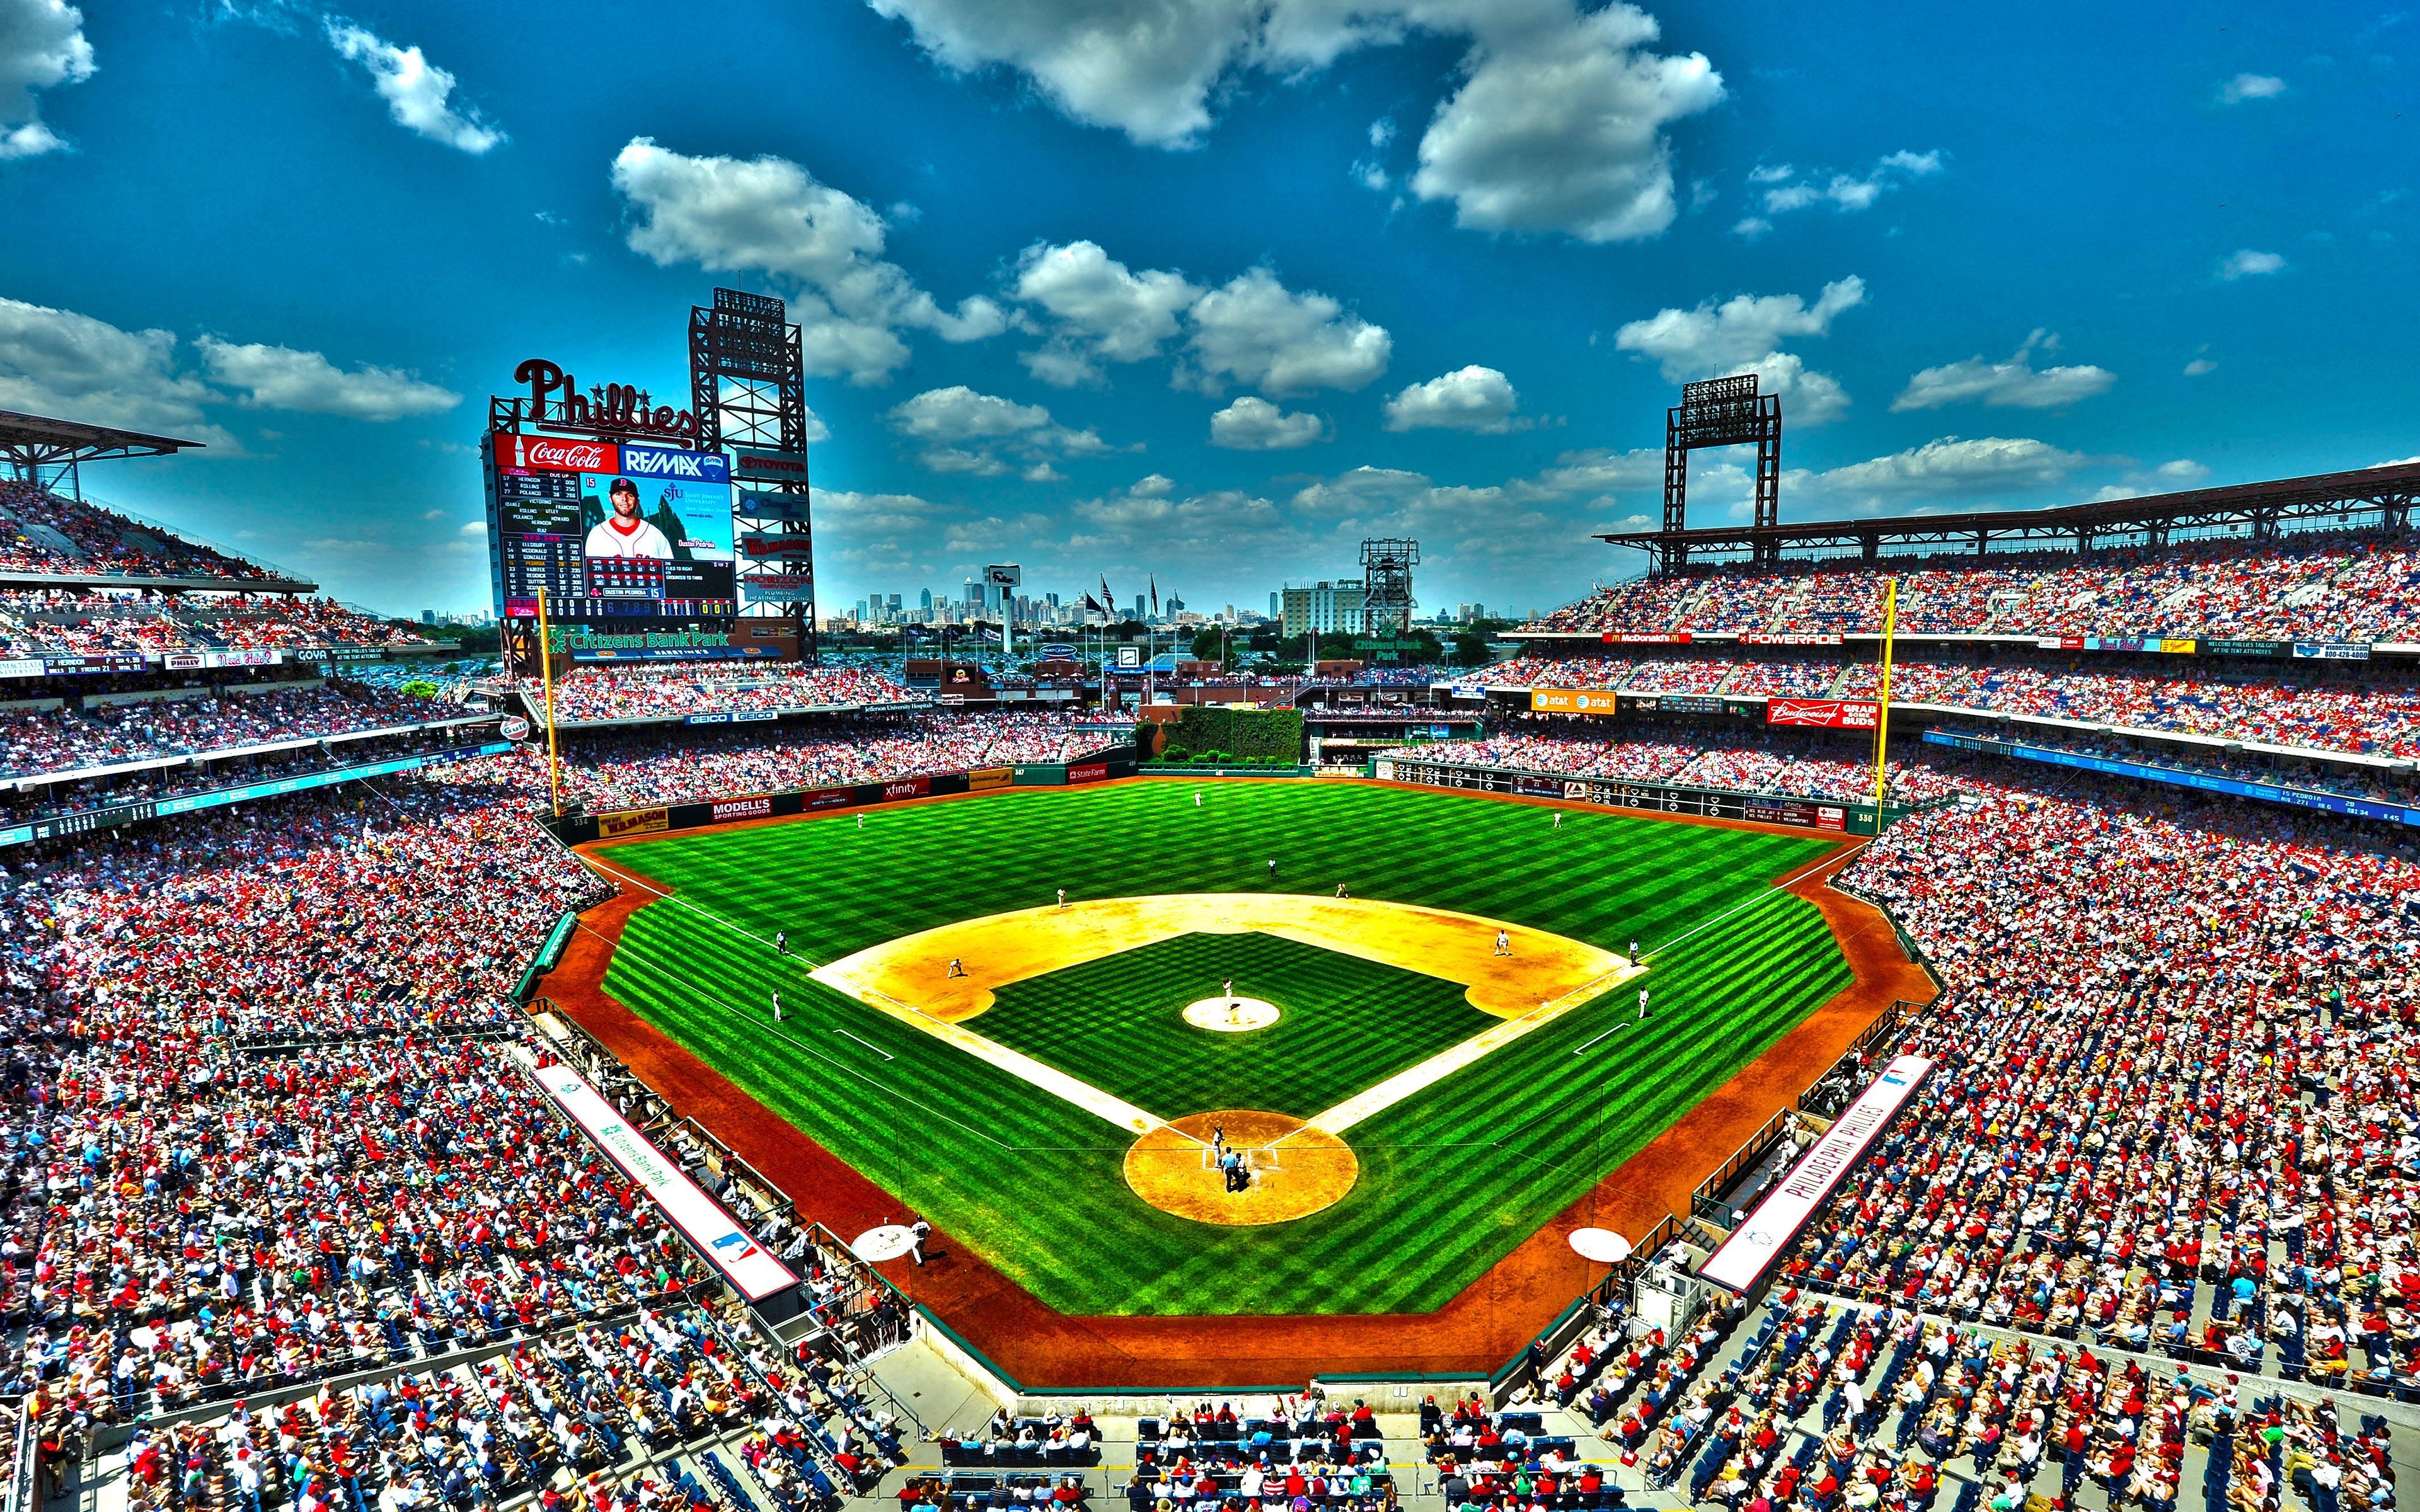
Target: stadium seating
{"x": 78, "y": 622}
{"x": 99, "y": 735}
{"x": 623, "y": 770}
{"x": 611, "y": 692}
{"x": 2358, "y": 586}
{"x": 49, "y": 533}
{"x": 2380, "y": 719}
{"x": 1775, "y": 761}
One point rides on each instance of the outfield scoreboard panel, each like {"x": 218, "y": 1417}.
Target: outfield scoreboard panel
{"x": 611, "y": 530}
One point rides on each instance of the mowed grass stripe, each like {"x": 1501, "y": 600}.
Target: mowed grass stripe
{"x": 1446, "y": 1185}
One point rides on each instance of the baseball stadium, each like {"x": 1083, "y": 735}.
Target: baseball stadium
{"x": 1892, "y": 985}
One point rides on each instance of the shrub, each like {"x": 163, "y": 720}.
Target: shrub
{"x": 1175, "y": 753}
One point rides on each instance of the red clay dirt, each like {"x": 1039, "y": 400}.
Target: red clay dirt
{"x": 1471, "y": 1335}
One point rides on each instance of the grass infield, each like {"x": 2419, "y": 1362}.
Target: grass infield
{"x": 1452, "y": 1178}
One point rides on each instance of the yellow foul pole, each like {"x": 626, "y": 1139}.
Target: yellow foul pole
{"x": 1881, "y": 724}
{"x": 545, "y": 675}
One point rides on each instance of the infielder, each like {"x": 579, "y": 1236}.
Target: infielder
{"x": 1503, "y": 943}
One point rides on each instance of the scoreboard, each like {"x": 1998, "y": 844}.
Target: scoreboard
{"x": 612, "y": 532}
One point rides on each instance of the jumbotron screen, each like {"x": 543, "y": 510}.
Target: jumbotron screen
{"x": 610, "y": 530}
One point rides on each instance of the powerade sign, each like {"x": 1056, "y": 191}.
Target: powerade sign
{"x": 2396, "y": 813}
{"x": 678, "y": 466}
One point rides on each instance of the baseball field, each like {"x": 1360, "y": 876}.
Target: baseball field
{"x": 1419, "y": 1034}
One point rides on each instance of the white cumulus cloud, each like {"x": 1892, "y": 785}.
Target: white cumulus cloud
{"x": 1471, "y": 398}
{"x": 1556, "y": 122}
{"x": 1743, "y": 335}
{"x": 43, "y": 46}
{"x": 280, "y": 378}
{"x": 768, "y": 214}
{"x": 965, "y": 431}
{"x": 2245, "y": 86}
{"x": 418, "y": 94}
{"x": 2246, "y": 263}
{"x": 2013, "y": 384}
{"x": 1256, "y": 331}
{"x": 1948, "y": 467}
{"x": 70, "y": 366}
{"x": 1254, "y": 425}
{"x": 1100, "y": 310}
{"x": 1785, "y": 189}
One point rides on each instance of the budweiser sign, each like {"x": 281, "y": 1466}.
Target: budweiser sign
{"x": 1825, "y": 714}
{"x": 606, "y": 408}
{"x": 553, "y": 453}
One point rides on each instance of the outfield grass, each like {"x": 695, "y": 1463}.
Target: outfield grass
{"x": 1343, "y": 1023}
{"x": 1451, "y": 1179}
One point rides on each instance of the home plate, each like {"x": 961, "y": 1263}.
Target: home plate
{"x": 1230, "y": 1015}
{"x": 888, "y": 1242}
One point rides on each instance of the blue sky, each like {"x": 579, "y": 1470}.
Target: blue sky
{"x": 1212, "y": 288}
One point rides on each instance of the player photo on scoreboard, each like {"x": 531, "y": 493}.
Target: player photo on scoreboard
{"x": 661, "y": 503}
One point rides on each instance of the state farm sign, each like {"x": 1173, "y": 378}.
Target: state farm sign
{"x": 554, "y": 454}
{"x": 1825, "y": 714}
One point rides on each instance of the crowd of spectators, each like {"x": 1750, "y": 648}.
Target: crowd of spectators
{"x": 2172, "y": 1107}
{"x": 630, "y": 692}
{"x": 93, "y": 622}
{"x": 1766, "y": 762}
{"x": 2378, "y": 718}
{"x": 103, "y": 734}
{"x": 2338, "y": 586}
{"x": 46, "y": 532}
{"x": 620, "y": 770}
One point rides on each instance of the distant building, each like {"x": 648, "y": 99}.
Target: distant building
{"x": 1277, "y": 606}
{"x": 1322, "y": 609}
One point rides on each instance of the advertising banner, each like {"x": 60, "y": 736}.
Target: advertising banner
{"x": 556, "y": 454}
{"x": 906, "y": 787}
{"x": 749, "y": 465}
{"x": 2333, "y": 650}
{"x": 983, "y": 779}
{"x": 1572, "y": 701}
{"x": 179, "y": 661}
{"x": 22, "y": 667}
{"x": 749, "y": 1266}
{"x": 1765, "y": 1234}
{"x": 759, "y": 807}
{"x": 1759, "y": 639}
{"x": 513, "y": 728}
{"x": 1645, "y": 637}
{"x": 762, "y": 545}
{"x": 828, "y": 798}
{"x": 779, "y": 587}
{"x": 635, "y": 822}
{"x": 669, "y": 462}
{"x": 2246, "y": 648}
{"x": 1087, "y": 772}
{"x": 750, "y": 504}
{"x": 1825, "y": 714}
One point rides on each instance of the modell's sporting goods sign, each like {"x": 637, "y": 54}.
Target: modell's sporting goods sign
{"x": 1825, "y": 714}
{"x": 556, "y": 454}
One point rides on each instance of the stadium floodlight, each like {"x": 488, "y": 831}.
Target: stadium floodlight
{"x": 1724, "y": 412}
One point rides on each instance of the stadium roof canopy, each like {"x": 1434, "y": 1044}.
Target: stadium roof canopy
{"x": 36, "y": 440}
{"x": 2262, "y": 511}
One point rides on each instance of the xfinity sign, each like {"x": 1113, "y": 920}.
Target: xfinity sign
{"x": 685, "y": 466}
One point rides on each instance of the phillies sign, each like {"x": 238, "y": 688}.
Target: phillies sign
{"x": 1825, "y": 714}
{"x": 608, "y": 408}
{"x": 553, "y": 453}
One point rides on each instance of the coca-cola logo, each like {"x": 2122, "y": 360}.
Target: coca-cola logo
{"x": 554, "y": 455}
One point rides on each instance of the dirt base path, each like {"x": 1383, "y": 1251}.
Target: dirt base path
{"x": 1474, "y": 1334}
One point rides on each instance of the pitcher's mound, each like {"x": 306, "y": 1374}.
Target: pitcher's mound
{"x": 1296, "y": 1169}
{"x": 1230, "y": 1015}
